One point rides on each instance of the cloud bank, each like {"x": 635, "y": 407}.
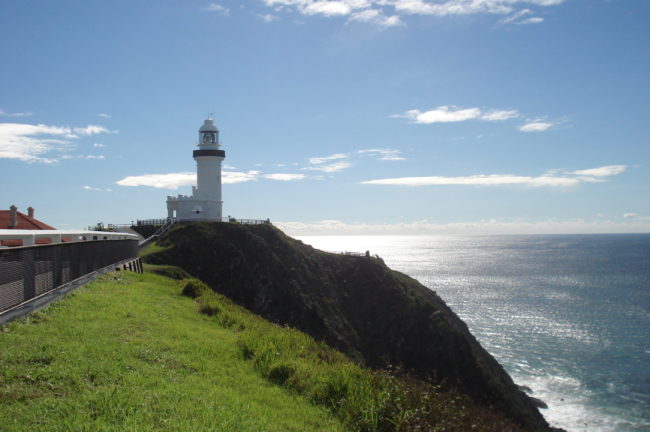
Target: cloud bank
{"x": 552, "y": 179}
{"x": 483, "y": 227}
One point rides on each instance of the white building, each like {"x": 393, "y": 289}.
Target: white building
{"x": 205, "y": 202}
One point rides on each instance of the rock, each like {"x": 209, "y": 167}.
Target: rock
{"x": 525, "y": 389}
{"x": 539, "y": 403}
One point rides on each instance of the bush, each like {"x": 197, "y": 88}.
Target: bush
{"x": 280, "y": 373}
{"x": 194, "y": 288}
{"x": 210, "y": 308}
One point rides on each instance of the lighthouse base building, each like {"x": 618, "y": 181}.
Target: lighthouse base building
{"x": 205, "y": 202}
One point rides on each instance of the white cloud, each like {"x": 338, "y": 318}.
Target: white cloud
{"x": 551, "y": 179}
{"x": 604, "y": 171}
{"x": 387, "y": 13}
{"x": 515, "y": 16}
{"x": 499, "y": 115}
{"x": 532, "y": 20}
{"x": 442, "y": 114}
{"x": 477, "y": 180}
{"x": 327, "y": 8}
{"x": 39, "y": 142}
{"x": 481, "y": 227}
{"x": 284, "y": 177}
{"x": 214, "y": 7}
{"x": 323, "y": 159}
{"x": 536, "y": 126}
{"x": 268, "y": 18}
{"x": 636, "y": 217}
{"x": 98, "y": 145}
{"x": 231, "y": 177}
{"x": 15, "y": 114}
{"x": 451, "y": 114}
{"x": 91, "y": 130}
{"x": 160, "y": 181}
{"x": 330, "y": 167}
{"x": 382, "y": 154}
{"x": 376, "y": 17}
{"x": 104, "y": 115}
{"x": 87, "y": 157}
{"x": 96, "y": 189}
{"x": 175, "y": 180}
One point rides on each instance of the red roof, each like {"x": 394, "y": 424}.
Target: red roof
{"x": 24, "y": 222}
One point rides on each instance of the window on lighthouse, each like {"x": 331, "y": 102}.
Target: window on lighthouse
{"x": 208, "y": 138}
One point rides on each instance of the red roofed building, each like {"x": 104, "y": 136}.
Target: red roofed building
{"x": 13, "y": 219}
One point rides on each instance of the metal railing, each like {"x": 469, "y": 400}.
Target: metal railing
{"x": 223, "y": 219}
{"x": 28, "y": 272}
{"x": 151, "y": 222}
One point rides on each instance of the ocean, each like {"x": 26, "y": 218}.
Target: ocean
{"x": 566, "y": 315}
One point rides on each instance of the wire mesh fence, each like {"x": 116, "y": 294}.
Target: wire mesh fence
{"x": 28, "y": 272}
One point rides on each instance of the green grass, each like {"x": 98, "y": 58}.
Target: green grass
{"x": 128, "y": 353}
{"x": 144, "y": 352}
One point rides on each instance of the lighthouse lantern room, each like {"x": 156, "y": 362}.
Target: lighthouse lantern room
{"x": 205, "y": 202}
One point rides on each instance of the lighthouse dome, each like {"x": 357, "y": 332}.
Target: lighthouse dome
{"x": 208, "y": 126}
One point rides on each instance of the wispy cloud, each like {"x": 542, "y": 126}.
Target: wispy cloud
{"x": 268, "y": 18}
{"x": 604, "y": 171}
{"x": 522, "y": 17}
{"x": 215, "y": 7}
{"x": 376, "y": 17}
{"x": 551, "y": 179}
{"x": 636, "y": 217}
{"x": 500, "y": 115}
{"x": 98, "y": 145}
{"x": 388, "y": 13}
{"x": 323, "y": 159}
{"x": 284, "y": 177}
{"x": 39, "y": 142}
{"x": 104, "y": 115}
{"x": 452, "y": 114}
{"x": 175, "y": 180}
{"x": 536, "y": 126}
{"x": 330, "y": 167}
{"x": 15, "y": 114}
{"x": 86, "y": 157}
{"x": 96, "y": 189}
{"x": 382, "y": 154}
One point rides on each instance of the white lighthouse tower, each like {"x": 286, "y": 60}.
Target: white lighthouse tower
{"x": 205, "y": 202}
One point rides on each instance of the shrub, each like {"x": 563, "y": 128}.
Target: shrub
{"x": 280, "y": 373}
{"x": 194, "y": 288}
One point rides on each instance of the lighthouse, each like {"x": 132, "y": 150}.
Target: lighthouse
{"x": 205, "y": 202}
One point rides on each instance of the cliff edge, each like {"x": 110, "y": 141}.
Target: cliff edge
{"x": 356, "y": 304}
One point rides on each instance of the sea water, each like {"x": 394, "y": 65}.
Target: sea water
{"x": 566, "y": 315}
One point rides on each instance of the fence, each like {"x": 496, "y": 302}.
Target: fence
{"x": 224, "y": 219}
{"x": 30, "y": 271}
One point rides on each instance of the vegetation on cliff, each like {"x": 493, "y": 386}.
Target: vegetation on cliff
{"x": 355, "y": 304}
{"x": 130, "y": 353}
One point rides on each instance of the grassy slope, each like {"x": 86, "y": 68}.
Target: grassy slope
{"x": 129, "y": 353}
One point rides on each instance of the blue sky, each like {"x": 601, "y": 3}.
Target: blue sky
{"x": 350, "y": 116}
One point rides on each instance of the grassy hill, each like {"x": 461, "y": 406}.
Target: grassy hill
{"x": 128, "y": 353}
{"x": 356, "y": 304}
{"x": 147, "y": 353}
